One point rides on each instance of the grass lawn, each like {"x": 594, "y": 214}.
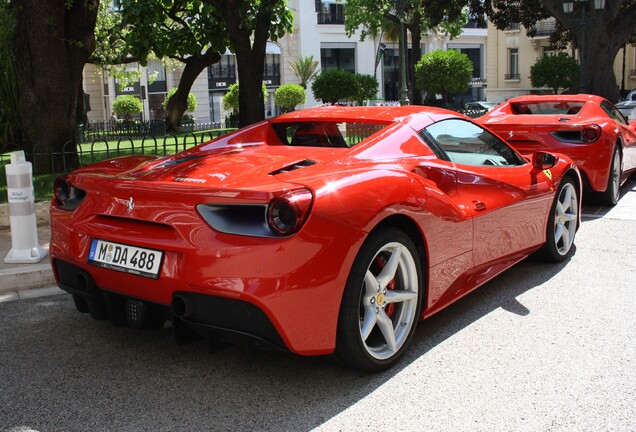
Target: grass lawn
{"x": 101, "y": 150}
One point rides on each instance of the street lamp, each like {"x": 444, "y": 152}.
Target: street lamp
{"x": 404, "y": 97}
{"x": 583, "y": 21}
{"x": 401, "y": 12}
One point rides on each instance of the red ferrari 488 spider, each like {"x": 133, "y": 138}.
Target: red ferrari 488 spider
{"x": 587, "y": 128}
{"x": 328, "y": 230}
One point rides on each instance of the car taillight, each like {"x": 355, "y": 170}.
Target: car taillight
{"x": 67, "y": 197}
{"x": 591, "y": 133}
{"x": 287, "y": 213}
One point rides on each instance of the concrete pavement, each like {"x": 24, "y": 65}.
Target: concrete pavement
{"x": 29, "y": 280}
{"x": 25, "y": 280}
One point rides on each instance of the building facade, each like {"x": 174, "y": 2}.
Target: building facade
{"x": 512, "y": 53}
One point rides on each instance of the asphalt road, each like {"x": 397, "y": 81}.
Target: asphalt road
{"x": 540, "y": 348}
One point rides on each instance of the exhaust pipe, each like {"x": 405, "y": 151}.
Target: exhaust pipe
{"x": 182, "y": 307}
{"x": 85, "y": 283}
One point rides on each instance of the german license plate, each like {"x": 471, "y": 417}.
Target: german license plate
{"x": 125, "y": 258}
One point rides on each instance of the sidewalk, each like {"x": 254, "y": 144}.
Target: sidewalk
{"x": 25, "y": 280}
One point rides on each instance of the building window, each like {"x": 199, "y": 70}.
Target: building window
{"x": 338, "y": 56}
{"x": 271, "y": 71}
{"x": 156, "y": 77}
{"x": 223, "y": 73}
{"x": 216, "y": 100}
{"x": 329, "y": 12}
{"x": 513, "y": 64}
{"x": 547, "y": 52}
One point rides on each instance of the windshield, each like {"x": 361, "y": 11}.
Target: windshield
{"x": 547, "y": 107}
{"x": 325, "y": 134}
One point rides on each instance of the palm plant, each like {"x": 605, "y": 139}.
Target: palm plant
{"x": 305, "y": 68}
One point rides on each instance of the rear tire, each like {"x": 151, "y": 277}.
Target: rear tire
{"x": 562, "y": 223}
{"x": 612, "y": 192}
{"x": 381, "y": 302}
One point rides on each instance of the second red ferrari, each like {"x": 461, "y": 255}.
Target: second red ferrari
{"x": 587, "y": 128}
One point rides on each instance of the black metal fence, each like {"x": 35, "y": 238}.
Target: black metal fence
{"x": 124, "y": 129}
{"x": 104, "y": 146}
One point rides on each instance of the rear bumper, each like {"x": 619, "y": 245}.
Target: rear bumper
{"x": 296, "y": 283}
{"x": 218, "y": 318}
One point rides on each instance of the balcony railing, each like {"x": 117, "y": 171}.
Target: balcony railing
{"x": 544, "y": 28}
{"x": 331, "y": 18}
{"x": 224, "y": 72}
{"x": 633, "y": 73}
{"x": 512, "y": 76}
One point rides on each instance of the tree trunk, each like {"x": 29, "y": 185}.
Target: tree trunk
{"x": 178, "y": 103}
{"x": 623, "y": 64}
{"x": 248, "y": 38}
{"x": 52, "y": 43}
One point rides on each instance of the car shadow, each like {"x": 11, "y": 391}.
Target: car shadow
{"x": 123, "y": 379}
{"x": 592, "y": 210}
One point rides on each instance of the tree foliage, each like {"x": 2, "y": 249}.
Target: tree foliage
{"x": 192, "y": 100}
{"x": 366, "y": 87}
{"x": 231, "y": 98}
{"x": 127, "y": 105}
{"x": 288, "y": 96}
{"x": 305, "y": 69}
{"x": 444, "y": 72}
{"x": 332, "y": 85}
{"x": 557, "y": 71}
{"x": 189, "y": 31}
{"x": 375, "y": 17}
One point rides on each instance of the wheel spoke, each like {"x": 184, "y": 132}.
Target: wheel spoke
{"x": 567, "y": 200}
{"x": 371, "y": 286}
{"x": 569, "y": 217}
{"x": 369, "y": 322}
{"x": 566, "y": 240}
{"x": 559, "y": 209}
{"x": 388, "y": 272}
{"x": 386, "y": 327}
{"x": 399, "y": 296}
{"x": 558, "y": 233}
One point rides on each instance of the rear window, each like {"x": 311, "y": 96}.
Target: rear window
{"x": 547, "y": 108}
{"x": 325, "y": 134}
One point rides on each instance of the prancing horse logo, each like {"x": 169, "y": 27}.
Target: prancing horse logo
{"x": 511, "y": 134}
{"x": 130, "y": 205}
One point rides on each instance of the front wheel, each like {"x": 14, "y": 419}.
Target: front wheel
{"x": 612, "y": 193}
{"x": 381, "y": 302}
{"x": 562, "y": 223}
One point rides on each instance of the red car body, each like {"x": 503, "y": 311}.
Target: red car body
{"x": 238, "y": 265}
{"x": 586, "y": 128}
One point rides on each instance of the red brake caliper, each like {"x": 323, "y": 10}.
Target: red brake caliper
{"x": 390, "y": 308}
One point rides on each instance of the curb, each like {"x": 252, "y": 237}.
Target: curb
{"x": 26, "y": 277}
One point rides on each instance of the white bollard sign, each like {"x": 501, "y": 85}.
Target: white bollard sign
{"x": 24, "y": 235}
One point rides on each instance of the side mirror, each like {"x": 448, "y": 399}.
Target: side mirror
{"x": 543, "y": 161}
{"x": 632, "y": 123}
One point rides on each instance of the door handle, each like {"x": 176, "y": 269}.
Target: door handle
{"x": 479, "y": 206}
